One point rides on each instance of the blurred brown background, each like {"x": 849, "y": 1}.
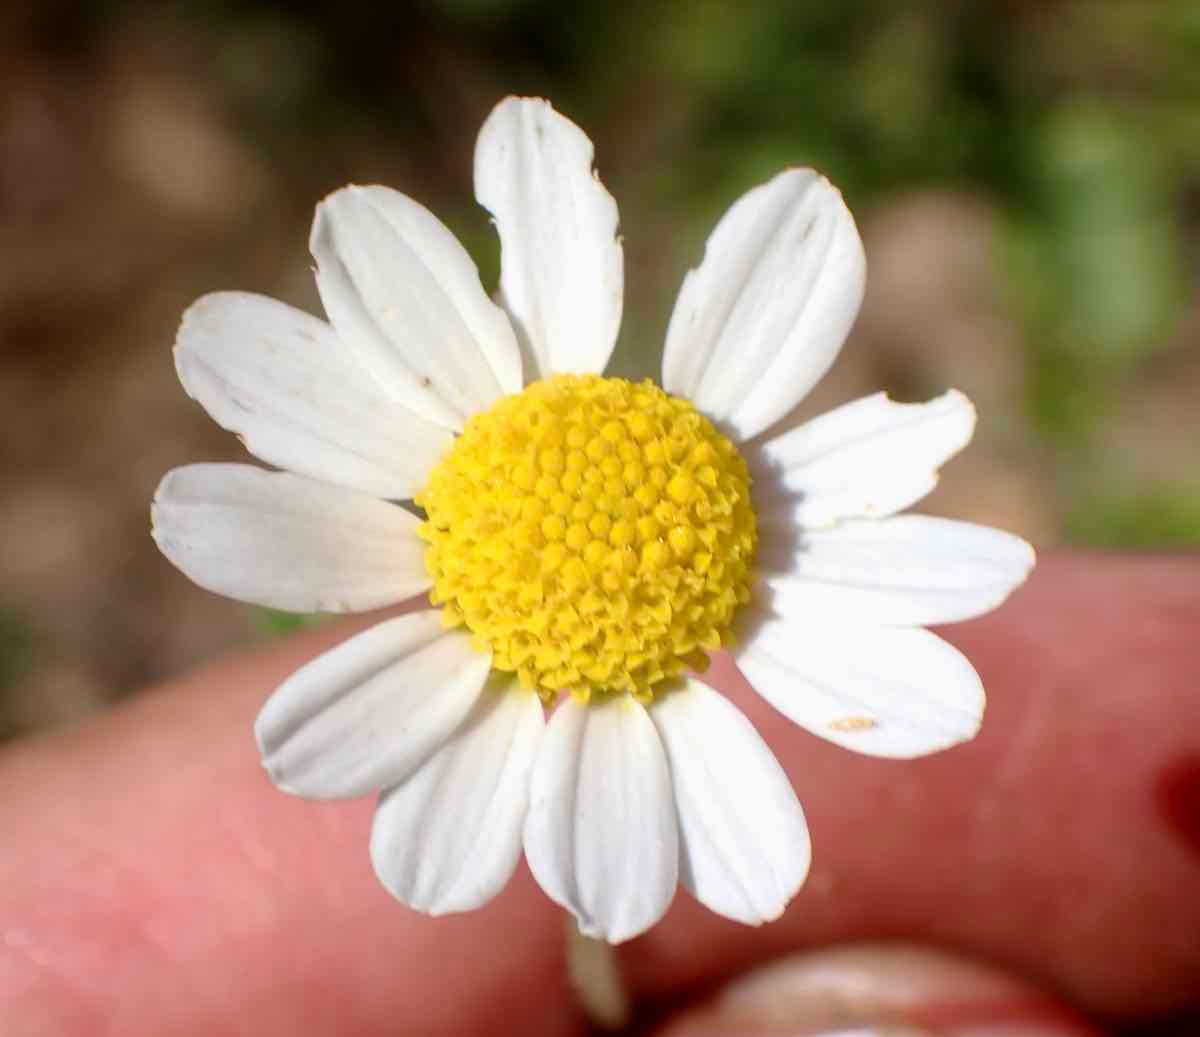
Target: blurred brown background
{"x": 1026, "y": 176}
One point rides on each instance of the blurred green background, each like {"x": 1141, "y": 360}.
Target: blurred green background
{"x": 1026, "y": 175}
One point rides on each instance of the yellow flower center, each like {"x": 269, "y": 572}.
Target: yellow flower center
{"x": 593, "y": 533}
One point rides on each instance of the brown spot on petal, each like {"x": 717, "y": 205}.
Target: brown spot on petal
{"x": 853, "y": 724}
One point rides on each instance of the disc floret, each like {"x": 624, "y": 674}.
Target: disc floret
{"x": 594, "y": 534}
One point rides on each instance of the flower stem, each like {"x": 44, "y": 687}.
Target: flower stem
{"x": 593, "y": 973}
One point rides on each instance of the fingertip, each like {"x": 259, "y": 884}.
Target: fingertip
{"x": 878, "y": 991}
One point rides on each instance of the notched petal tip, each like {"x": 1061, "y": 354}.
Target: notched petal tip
{"x": 601, "y": 836}
{"x": 403, "y": 293}
{"x": 320, "y": 217}
{"x": 519, "y": 101}
{"x": 276, "y": 777}
{"x": 325, "y": 210}
{"x": 867, "y": 459}
{"x": 562, "y": 266}
{"x": 745, "y": 350}
{"x": 281, "y": 380}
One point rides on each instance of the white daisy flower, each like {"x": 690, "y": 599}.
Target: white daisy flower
{"x": 587, "y": 540}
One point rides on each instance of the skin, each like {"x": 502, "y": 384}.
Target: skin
{"x": 152, "y": 880}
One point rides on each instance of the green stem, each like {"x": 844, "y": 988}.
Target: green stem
{"x": 594, "y": 975}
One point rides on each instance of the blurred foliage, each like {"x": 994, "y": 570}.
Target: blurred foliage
{"x": 273, "y": 622}
{"x": 16, "y": 647}
{"x": 1077, "y": 120}
{"x": 16, "y": 658}
{"x": 1163, "y": 517}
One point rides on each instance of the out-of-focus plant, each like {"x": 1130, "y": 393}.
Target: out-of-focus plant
{"x": 1079, "y": 122}
{"x": 16, "y": 657}
{"x": 1160, "y": 517}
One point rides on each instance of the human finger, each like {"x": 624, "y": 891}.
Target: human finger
{"x": 153, "y": 881}
{"x": 1060, "y": 842}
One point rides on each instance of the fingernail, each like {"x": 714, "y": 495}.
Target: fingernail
{"x": 877, "y": 992}
{"x": 876, "y": 1031}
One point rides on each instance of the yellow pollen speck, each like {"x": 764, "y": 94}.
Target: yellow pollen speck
{"x": 594, "y": 533}
{"x": 853, "y": 724}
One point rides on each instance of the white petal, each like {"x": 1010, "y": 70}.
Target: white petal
{"x": 884, "y": 691}
{"x": 281, "y": 540}
{"x": 561, "y": 263}
{"x": 298, "y": 397}
{"x": 449, "y": 837}
{"x": 601, "y": 836}
{"x": 764, "y": 315}
{"x": 867, "y": 459}
{"x": 744, "y": 846}
{"x": 910, "y": 570}
{"x": 403, "y": 293}
{"x": 367, "y": 714}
